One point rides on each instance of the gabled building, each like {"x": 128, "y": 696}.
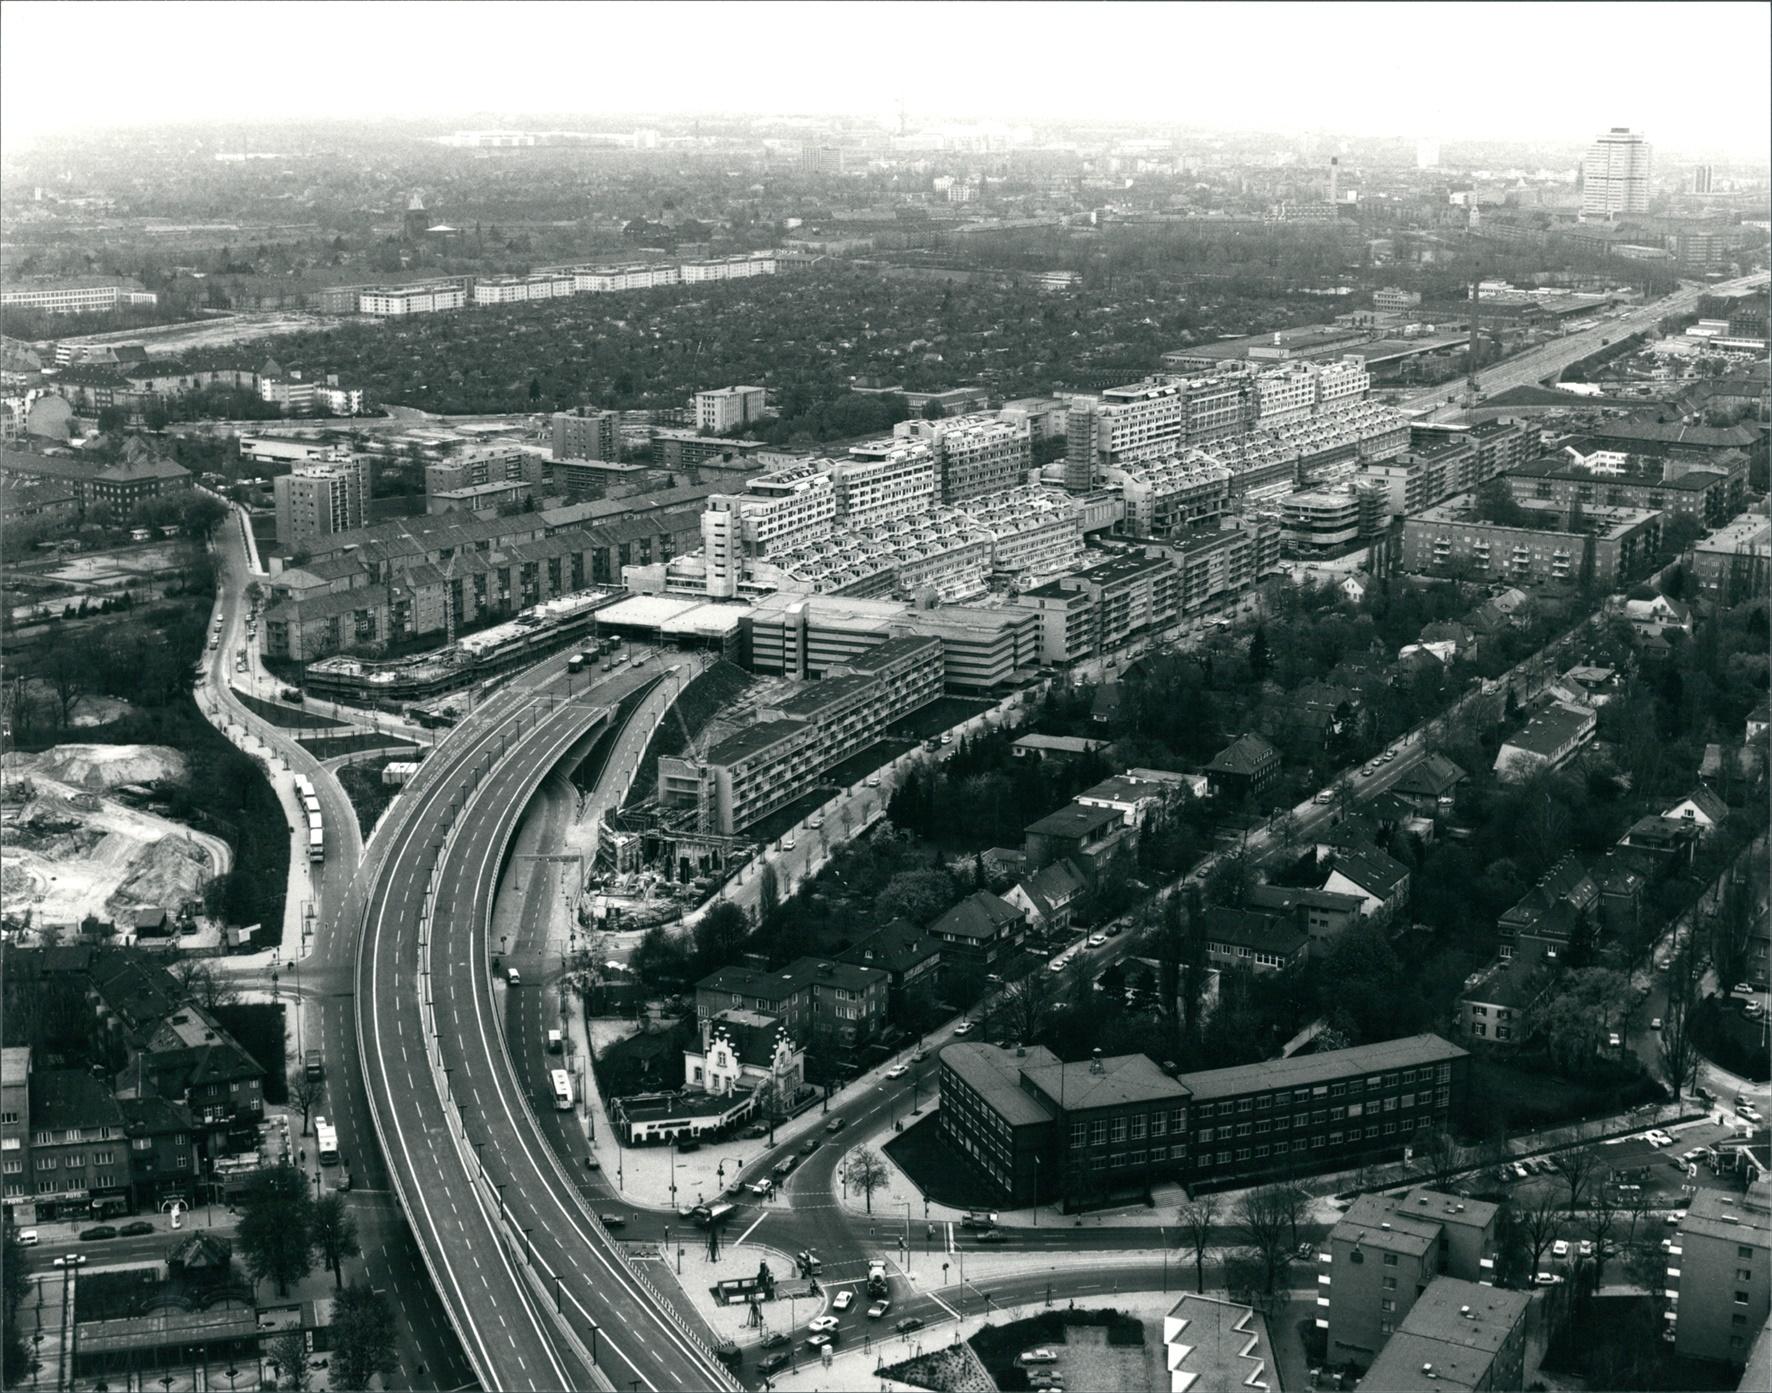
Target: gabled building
{"x": 1493, "y": 1003}
{"x": 978, "y": 932}
{"x": 1323, "y": 915}
{"x": 1704, "y": 808}
{"x": 1048, "y": 898}
{"x": 909, "y": 956}
{"x": 1431, "y": 785}
{"x": 1552, "y": 912}
{"x": 1664, "y": 846}
{"x": 1379, "y": 879}
{"x": 748, "y": 1050}
{"x": 1245, "y": 767}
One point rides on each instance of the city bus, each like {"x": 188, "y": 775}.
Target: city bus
{"x": 326, "y": 1144}
{"x": 562, "y": 1090}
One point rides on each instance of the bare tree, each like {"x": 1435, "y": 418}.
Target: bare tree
{"x": 1439, "y": 1156}
{"x": 1539, "y": 1221}
{"x": 1678, "y": 1055}
{"x": 1023, "y": 1004}
{"x": 867, "y": 1173}
{"x": 305, "y": 1093}
{"x": 201, "y": 983}
{"x": 1197, "y": 1218}
{"x": 1579, "y": 1166}
{"x": 1267, "y": 1224}
{"x": 1599, "y": 1223}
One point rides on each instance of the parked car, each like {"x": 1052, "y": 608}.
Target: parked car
{"x": 1742, "y": 989}
{"x": 1560, "y": 1249}
{"x": 1655, "y": 1022}
{"x": 1038, "y": 1356}
{"x": 1614, "y": 1040}
{"x": 98, "y": 1231}
{"x": 1658, "y": 1138}
{"x": 769, "y": 1363}
{"x": 1587, "y": 1248}
{"x": 1547, "y": 1279}
{"x": 1096, "y": 940}
{"x": 898, "y": 1071}
{"x": 27, "y": 1238}
{"x": 135, "y": 1230}
{"x": 1749, "y": 1111}
{"x": 775, "y": 1339}
{"x": 1325, "y": 795}
{"x": 908, "y": 1324}
{"x": 963, "y": 1028}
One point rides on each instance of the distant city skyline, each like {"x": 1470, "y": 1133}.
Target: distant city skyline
{"x": 1435, "y": 74}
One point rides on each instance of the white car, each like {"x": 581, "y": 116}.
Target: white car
{"x": 1056, "y": 965}
{"x": 1658, "y": 1138}
{"x": 1038, "y": 1356}
{"x": 844, "y": 1300}
{"x": 1614, "y": 1040}
{"x": 963, "y": 1028}
{"x": 27, "y": 1238}
{"x": 1096, "y": 940}
{"x": 898, "y": 1071}
{"x": 1655, "y": 1022}
{"x": 873, "y": 780}
{"x": 818, "y": 1325}
{"x": 1560, "y": 1249}
{"x": 71, "y": 1260}
{"x": 1749, "y": 1111}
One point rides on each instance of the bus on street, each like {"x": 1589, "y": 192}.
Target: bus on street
{"x": 562, "y": 1090}
{"x": 326, "y": 1144}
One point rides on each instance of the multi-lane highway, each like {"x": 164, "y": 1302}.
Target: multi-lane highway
{"x": 534, "y": 1286}
{"x": 1530, "y": 368}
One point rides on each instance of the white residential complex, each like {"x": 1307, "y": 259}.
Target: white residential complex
{"x": 782, "y": 509}
{"x": 389, "y": 300}
{"x": 1154, "y": 419}
{"x": 320, "y": 498}
{"x": 1167, "y": 496}
{"x": 1300, "y": 389}
{"x": 511, "y": 290}
{"x": 1615, "y": 175}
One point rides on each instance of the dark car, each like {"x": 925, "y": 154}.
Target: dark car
{"x": 614, "y": 1221}
{"x": 99, "y": 1231}
{"x": 135, "y": 1230}
{"x": 769, "y": 1363}
{"x": 810, "y": 1145}
{"x": 775, "y": 1339}
{"x": 993, "y": 1236}
{"x": 836, "y": 1124}
{"x": 908, "y": 1324}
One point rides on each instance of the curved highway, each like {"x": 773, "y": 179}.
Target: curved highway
{"x": 534, "y": 1287}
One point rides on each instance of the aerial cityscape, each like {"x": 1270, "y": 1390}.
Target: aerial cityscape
{"x": 944, "y": 697}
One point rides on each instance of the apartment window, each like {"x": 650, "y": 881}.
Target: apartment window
{"x": 1242, "y": 1153}
{"x": 1263, "y": 1103}
{"x": 1390, "y": 1259}
{"x": 1741, "y": 1298}
{"x": 1242, "y": 1129}
{"x": 1280, "y": 1148}
{"x": 1118, "y": 1131}
{"x": 1387, "y": 1326}
{"x": 1337, "y": 1090}
{"x": 1079, "y": 1133}
{"x": 1372, "y": 1129}
{"x": 1244, "y": 1104}
{"x": 1744, "y": 1274}
{"x": 1335, "y": 1138}
{"x": 1206, "y": 1134}
{"x": 1742, "y": 1251}
{"x": 1738, "y": 1319}
{"x": 1387, "y": 1304}
{"x": 1390, "y": 1283}
{"x": 1159, "y": 1124}
{"x": 1098, "y": 1132}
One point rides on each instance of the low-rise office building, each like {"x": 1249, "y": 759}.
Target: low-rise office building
{"x": 1549, "y": 741}
{"x": 1734, "y": 563}
{"x": 1037, "y": 1130}
{"x": 1708, "y": 489}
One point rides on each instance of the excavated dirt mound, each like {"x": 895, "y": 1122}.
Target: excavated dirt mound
{"x": 102, "y": 767}
{"x": 168, "y": 873}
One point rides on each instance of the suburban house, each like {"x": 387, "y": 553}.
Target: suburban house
{"x": 1322, "y": 914}
{"x": 1663, "y": 845}
{"x": 1245, "y": 767}
{"x": 1049, "y": 897}
{"x": 745, "y": 1050}
{"x": 1549, "y": 741}
{"x": 1135, "y": 799}
{"x": 1493, "y": 1002}
{"x": 1704, "y": 808}
{"x": 1551, "y": 912}
{"x": 1250, "y": 939}
{"x": 1430, "y": 786}
{"x": 1379, "y": 879}
{"x": 909, "y": 956}
{"x": 1063, "y": 747}
{"x": 1659, "y": 615}
{"x": 1091, "y": 837}
{"x": 979, "y": 931}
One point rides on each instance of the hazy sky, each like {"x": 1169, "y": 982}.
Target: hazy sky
{"x": 1689, "y": 74}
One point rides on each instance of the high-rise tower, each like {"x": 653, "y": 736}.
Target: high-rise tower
{"x": 1615, "y": 175}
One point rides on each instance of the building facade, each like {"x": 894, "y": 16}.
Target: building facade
{"x": 1615, "y": 175}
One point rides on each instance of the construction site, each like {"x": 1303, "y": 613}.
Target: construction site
{"x": 86, "y": 839}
